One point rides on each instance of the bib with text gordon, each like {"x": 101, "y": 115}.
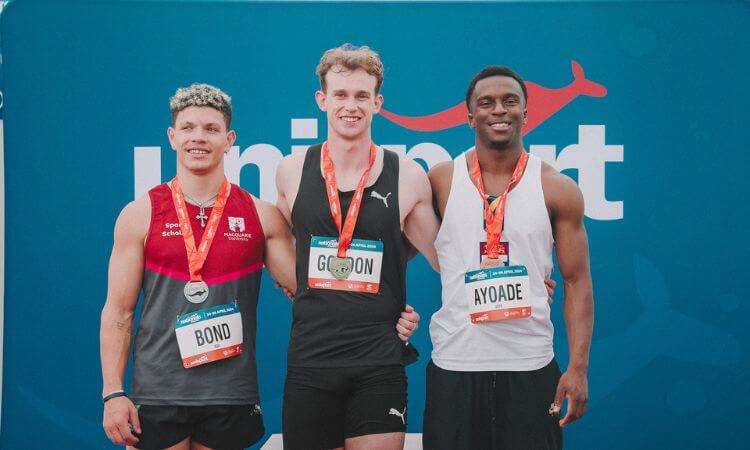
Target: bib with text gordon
{"x": 366, "y": 257}
{"x": 209, "y": 335}
{"x": 498, "y": 293}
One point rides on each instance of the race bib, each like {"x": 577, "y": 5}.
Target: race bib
{"x": 498, "y": 293}
{"x": 365, "y": 258}
{"x": 209, "y": 335}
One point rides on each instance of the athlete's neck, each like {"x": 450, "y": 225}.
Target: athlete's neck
{"x": 498, "y": 161}
{"x": 349, "y": 154}
{"x": 200, "y": 187}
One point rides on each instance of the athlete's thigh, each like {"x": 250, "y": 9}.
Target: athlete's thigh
{"x": 377, "y": 402}
{"x": 382, "y": 441}
{"x": 458, "y": 414}
{"x": 227, "y": 427}
{"x": 524, "y": 419}
{"x": 163, "y": 427}
{"x": 313, "y": 409}
{"x": 183, "y": 445}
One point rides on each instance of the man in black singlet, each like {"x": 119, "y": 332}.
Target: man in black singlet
{"x": 350, "y": 203}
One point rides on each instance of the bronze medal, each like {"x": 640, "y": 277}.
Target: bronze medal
{"x": 489, "y": 263}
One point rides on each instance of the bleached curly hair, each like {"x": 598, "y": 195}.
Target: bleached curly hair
{"x": 199, "y": 94}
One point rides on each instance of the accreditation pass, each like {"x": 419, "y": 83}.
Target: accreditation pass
{"x": 498, "y": 293}
{"x": 209, "y": 335}
{"x": 366, "y": 257}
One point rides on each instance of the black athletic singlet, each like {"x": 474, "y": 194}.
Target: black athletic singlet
{"x": 348, "y": 329}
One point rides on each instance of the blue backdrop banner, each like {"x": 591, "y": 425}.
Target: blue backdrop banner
{"x": 642, "y": 103}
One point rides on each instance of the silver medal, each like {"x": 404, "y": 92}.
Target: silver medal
{"x": 196, "y": 291}
{"x": 340, "y": 268}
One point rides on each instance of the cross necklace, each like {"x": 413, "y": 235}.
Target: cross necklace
{"x": 202, "y": 205}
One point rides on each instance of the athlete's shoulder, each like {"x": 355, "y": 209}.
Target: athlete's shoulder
{"x": 554, "y": 179}
{"x": 412, "y": 179}
{"x": 292, "y": 160}
{"x": 410, "y": 168}
{"x": 271, "y": 219}
{"x": 561, "y": 193}
{"x": 290, "y": 168}
{"x": 441, "y": 171}
{"x": 134, "y": 220}
{"x": 441, "y": 176}
{"x": 243, "y": 194}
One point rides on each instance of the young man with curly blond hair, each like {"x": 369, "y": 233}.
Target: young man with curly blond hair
{"x": 195, "y": 246}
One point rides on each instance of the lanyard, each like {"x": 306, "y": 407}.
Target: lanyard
{"x": 494, "y": 213}
{"x": 197, "y": 256}
{"x": 329, "y": 174}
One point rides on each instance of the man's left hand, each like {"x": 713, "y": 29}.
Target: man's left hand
{"x": 574, "y": 386}
{"x": 550, "y": 284}
{"x": 407, "y": 324}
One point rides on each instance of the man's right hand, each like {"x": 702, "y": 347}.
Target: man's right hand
{"x": 121, "y": 420}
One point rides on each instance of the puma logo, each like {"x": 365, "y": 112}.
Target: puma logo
{"x": 380, "y": 197}
{"x": 197, "y": 293}
{"x": 394, "y": 412}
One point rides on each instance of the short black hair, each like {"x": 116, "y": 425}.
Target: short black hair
{"x": 493, "y": 71}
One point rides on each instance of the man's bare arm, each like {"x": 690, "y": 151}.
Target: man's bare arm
{"x": 441, "y": 177}
{"x": 280, "y": 258}
{"x": 288, "y": 178}
{"x": 421, "y": 224}
{"x": 566, "y": 206}
{"x": 124, "y": 283}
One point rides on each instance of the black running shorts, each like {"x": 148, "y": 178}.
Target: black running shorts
{"x": 231, "y": 427}
{"x": 323, "y": 407}
{"x": 491, "y": 410}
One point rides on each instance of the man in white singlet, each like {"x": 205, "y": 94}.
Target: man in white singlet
{"x": 493, "y": 382}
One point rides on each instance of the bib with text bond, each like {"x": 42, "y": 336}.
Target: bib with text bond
{"x": 209, "y": 335}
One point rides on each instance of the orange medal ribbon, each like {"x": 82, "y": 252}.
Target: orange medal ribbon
{"x": 494, "y": 213}
{"x": 329, "y": 174}
{"x": 197, "y": 256}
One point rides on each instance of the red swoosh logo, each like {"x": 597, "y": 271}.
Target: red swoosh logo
{"x": 543, "y": 103}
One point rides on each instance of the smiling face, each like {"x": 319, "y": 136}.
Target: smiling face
{"x": 498, "y": 112}
{"x": 349, "y": 101}
{"x": 200, "y": 138}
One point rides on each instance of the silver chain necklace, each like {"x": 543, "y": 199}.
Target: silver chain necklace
{"x": 202, "y": 205}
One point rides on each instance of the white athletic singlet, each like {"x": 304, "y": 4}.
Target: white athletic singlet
{"x": 506, "y": 345}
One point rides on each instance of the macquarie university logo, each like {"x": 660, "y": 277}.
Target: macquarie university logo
{"x": 237, "y": 230}
{"x": 237, "y": 224}
{"x": 589, "y": 156}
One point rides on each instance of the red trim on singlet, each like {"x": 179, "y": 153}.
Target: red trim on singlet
{"x": 167, "y": 271}
{"x": 234, "y": 275}
{"x": 209, "y": 281}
